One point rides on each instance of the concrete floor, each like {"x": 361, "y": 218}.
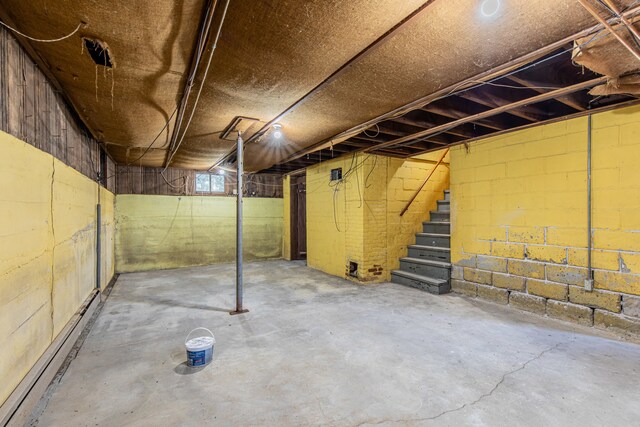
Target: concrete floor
{"x": 317, "y": 350}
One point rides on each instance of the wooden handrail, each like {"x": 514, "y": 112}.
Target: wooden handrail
{"x": 406, "y": 208}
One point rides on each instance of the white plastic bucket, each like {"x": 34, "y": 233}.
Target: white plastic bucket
{"x": 199, "y": 349}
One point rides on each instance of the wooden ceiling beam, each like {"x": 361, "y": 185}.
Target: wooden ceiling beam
{"x": 569, "y": 100}
{"x": 376, "y": 44}
{"x": 492, "y": 103}
{"x": 395, "y": 155}
{"x": 388, "y": 131}
{"x": 483, "y": 76}
{"x": 427, "y": 125}
{"x": 612, "y": 30}
{"x": 368, "y": 138}
{"x": 499, "y": 110}
{"x": 361, "y": 146}
{"x": 455, "y": 113}
{"x": 350, "y": 142}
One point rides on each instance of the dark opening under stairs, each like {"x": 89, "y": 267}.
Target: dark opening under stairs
{"x": 428, "y": 264}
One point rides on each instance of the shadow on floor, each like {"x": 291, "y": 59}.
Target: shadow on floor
{"x": 184, "y": 369}
{"x": 170, "y": 302}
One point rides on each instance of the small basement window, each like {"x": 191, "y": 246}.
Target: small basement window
{"x": 336, "y": 174}
{"x": 209, "y": 183}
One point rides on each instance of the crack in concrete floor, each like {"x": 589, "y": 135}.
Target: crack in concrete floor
{"x": 468, "y": 404}
{"x": 316, "y": 350}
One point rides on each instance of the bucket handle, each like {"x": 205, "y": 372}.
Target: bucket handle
{"x": 200, "y": 328}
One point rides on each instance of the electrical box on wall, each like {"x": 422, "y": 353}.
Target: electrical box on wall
{"x": 336, "y": 174}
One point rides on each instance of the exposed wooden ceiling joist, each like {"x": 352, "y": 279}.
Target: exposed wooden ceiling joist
{"x": 630, "y": 11}
{"x": 499, "y": 110}
{"x": 568, "y": 100}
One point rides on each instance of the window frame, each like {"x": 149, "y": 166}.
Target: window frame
{"x": 211, "y": 190}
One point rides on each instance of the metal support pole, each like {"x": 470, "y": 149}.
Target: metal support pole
{"x": 240, "y": 171}
{"x": 588, "y": 283}
{"x": 98, "y": 239}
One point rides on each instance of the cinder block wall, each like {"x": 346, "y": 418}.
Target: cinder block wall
{"x": 519, "y": 220}
{"x": 48, "y": 259}
{"x": 359, "y": 219}
{"x": 161, "y": 232}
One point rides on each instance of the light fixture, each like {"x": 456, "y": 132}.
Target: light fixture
{"x": 277, "y": 133}
{"x": 221, "y": 172}
{"x": 489, "y": 8}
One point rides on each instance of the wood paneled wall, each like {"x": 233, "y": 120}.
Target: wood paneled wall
{"x": 142, "y": 180}
{"x": 32, "y": 110}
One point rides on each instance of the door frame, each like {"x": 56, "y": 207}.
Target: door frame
{"x": 295, "y": 182}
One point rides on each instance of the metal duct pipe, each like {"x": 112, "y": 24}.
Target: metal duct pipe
{"x": 203, "y": 35}
{"x": 239, "y": 285}
{"x": 173, "y": 148}
{"x": 588, "y": 283}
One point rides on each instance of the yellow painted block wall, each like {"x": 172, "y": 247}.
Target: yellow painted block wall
{"x": 522, "y": 197}
{"x": 161, "y": 232}
{"x": 404, "y": 177}
{"x": 328, "y": 220}
{"x": 359, "y": 219}
{"x": 47, "y": 252}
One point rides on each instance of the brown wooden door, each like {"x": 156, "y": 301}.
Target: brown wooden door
{"x": 298, "y": 217}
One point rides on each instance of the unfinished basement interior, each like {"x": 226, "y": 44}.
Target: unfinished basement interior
{"x": 320, "y": 213}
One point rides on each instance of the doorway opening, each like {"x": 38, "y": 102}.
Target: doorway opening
{"x": 299, "y": 216}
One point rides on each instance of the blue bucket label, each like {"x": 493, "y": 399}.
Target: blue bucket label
{"x": 196, "y": 358}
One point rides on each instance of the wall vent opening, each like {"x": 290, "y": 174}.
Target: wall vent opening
{"x": 99, "y": 52}
{"x": 353, "y": 269}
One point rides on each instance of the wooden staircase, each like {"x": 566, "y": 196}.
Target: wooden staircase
{"x": 428, "y": 264}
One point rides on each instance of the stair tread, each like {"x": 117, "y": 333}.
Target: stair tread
{"x": 430, "y": 248}
{"x": 433, "y": 235}
{"x": 427, "y": 262}
{"x": 419, "y": 277}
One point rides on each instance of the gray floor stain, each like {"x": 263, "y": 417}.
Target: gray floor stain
{"x": 316, "y": 350}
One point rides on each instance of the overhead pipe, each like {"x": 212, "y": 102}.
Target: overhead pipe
{"x": 193, "y": 69}
{"x": 204, "y": 78}
{"x": 487, "y": 75}
{"x": 608, "y": 26}
{"x": 239, "y": 285}
{"x": 623, "y": 18}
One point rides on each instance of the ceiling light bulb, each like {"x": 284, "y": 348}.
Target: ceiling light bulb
{"x": 277, "y": 133}
{"x": 221, "y": 172}
{"x": 489, "y": 8}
